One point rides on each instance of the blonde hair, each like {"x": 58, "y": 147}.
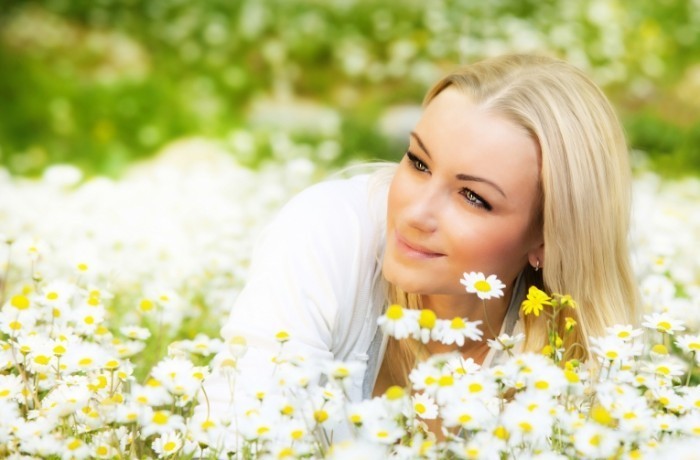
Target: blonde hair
{"x": 585, "y": 189}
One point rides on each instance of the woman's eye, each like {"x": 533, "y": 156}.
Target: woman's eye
{"x": 417, "y": 163}
{"x": 475, "y": 200}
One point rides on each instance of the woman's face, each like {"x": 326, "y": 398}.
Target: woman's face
{"x": 463, "y": 199}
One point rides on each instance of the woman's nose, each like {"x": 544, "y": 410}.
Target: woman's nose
{"x": 423, "y": 209}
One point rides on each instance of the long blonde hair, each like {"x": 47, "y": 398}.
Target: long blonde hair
{"x": 585, "y": 188}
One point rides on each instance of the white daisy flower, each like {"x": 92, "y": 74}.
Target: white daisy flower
{"x": 484, "y": 287}
{"x": 457, "y": 331}
{"x": 612, "y": 349}
{"x": 135, "y": 332}
{"x": 167, "y": 444}
{"x": 399, "y": 322}
{"x": 424, "y": 406}
{"x": 160, "y": 422}
{"x": 361, "y": 412}
{"x": 382, "y": 431}
{"x": 596, "y": 441}
{"x": 471, "y": 414}
{"x": 506, "y": 342}
{"x": 664, "y": 323}
{"x": 689, "y": 343}
{"x": 624, "y": 332}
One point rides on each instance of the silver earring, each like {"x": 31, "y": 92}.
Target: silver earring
{"x": 537, "y": 267}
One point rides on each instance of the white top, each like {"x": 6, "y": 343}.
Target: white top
{"x": 316, "y": 273}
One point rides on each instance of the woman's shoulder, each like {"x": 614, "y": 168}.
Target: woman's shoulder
{"x": 341, "y": 202}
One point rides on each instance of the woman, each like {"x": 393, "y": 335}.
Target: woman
{"x": 518, "y": 168}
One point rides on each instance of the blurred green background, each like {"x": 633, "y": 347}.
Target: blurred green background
{"x": 101, "y": 83}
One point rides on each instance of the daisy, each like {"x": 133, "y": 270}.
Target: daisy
{"x": 612, "y": 349}
{"x": 485, "y": 288}
{"x": 457, "y": 331}
{"x": 595, "y": 441}
{"x": 663, "y": 322}
{"x": 135, "y": 332}
{"x": 427, "y": 320}
{"x": 471, "y": 414}
{"x": 361, "y": 412}
{"x": 624, "y": 332}
{"x": 382, "y": 431}
{"x": 399, "y": 322}
{"x": 424, "y": 406}
{"x": 505, "y": 342}
{"x": 689, "y": 343}
{"x": 527, "y": 425}
{"x": 167, "y": 444}
{"x": 160, "y": 421}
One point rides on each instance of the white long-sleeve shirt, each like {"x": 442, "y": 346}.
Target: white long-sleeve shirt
{"x": 316, "y": 273}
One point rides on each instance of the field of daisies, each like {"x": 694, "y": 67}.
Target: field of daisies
{"x": 144, "y": 146}
{"x": 113, "y": 291}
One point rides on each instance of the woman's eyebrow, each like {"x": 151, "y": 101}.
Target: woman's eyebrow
{"x": 420, "y": 143}
{"x": 467, "y": 177}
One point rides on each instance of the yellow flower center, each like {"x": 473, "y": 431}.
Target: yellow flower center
{"x": 663, "y": 326}
{"x": 20, "y": 302}
{"x": 541, "y": 385}
{"x": 394, "y": 392}
{"x": 75, "y": 444}
{"x": 571, "y": 376}
{"x": 475, "y": 387}
{"x": 52, "y": 295}
{"x": 427, "y": 319}
{"x": 146, "y": 305}
{"x": 169, "y": 446}
{"x": 482, "y": 286}
{"x": 500, "y": 432}
{"x": 394, "y": 312}
{"x": 457, "y": 323}
{"x": 42, "y": 360}
{"x": 526, "y": 427}
{"x": 420, "y": 408}
{"x": 160, "y": 418}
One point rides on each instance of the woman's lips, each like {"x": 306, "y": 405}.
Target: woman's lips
{"x": 414, "y": 250}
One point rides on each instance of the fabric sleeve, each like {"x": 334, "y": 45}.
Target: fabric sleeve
{"x": 303, "y": 279}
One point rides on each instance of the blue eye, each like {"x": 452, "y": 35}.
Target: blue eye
{"x": 417, "y": 163}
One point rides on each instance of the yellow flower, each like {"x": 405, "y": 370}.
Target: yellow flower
{"x": 535, "y": 302}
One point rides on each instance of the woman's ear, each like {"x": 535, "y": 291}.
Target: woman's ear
{"x": 536, "y": 256}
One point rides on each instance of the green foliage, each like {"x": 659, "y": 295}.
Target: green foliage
{"x": 102, "y": 83}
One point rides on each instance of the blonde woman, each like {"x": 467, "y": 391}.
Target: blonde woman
{"x": 518, "y": 167}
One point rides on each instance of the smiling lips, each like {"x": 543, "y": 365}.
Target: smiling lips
{"x": 414, "y": 250}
